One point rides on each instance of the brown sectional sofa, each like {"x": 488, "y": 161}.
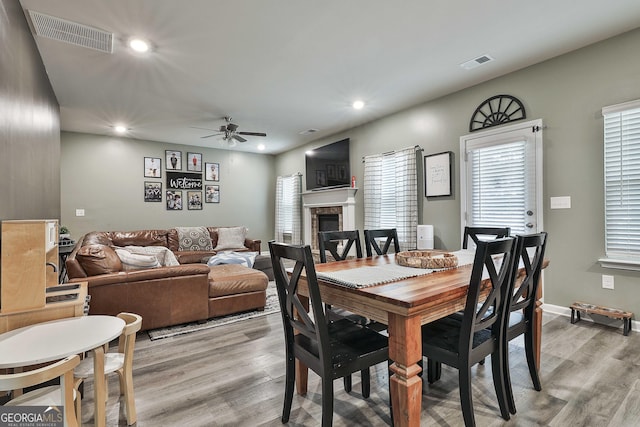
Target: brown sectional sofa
{"x": 165, "y": 295}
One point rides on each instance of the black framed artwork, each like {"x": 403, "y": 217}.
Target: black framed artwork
{"x": 212, "y": 172}
{"x": 437, "y": 174}
{"x": 212, "y": 194}
{"x": 173, "y": 160}
{"x": 152, "y": 191}
{"x": 174, "y": 200}
{"x": 152, "y": 167}
{"x": 194, "y": 200}
{"x": 194, "y": 162}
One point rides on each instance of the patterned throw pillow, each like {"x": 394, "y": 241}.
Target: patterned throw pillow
{"x": 194, "y": 239}
{"x": 243, "y": 258}
{"x": 132, "y": 262}
{"x": 231, "y": 238}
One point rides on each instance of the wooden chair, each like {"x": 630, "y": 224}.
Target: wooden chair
{"x": 477, "y": 232}
{"x": 481, "y": 332}
{"x": 55, "y": 396}
{"x": 330, "y": 349}
{"x": 370, "y": 243}
{"x": 120, "y": 362}
{"x": 328, "y": 241}
{"x": 522, "y": 307}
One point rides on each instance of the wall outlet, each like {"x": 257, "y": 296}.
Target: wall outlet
{"x": 607, "y": 281}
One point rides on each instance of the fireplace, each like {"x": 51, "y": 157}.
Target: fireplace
{"x": 327, "y": 210}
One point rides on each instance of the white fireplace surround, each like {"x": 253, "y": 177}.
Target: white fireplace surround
{"x": 333, "y": 197}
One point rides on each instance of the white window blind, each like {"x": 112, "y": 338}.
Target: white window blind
{"x": 622, "y": 180}
{"x": 500, "y": 186}
{"x": 288, "y": 209}
{"x": 391, "y": 194}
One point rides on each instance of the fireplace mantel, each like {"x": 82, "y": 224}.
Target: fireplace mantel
{"x": 333, "y": 197}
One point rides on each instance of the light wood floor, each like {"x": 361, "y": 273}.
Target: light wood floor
{"x": 234, "y": 376}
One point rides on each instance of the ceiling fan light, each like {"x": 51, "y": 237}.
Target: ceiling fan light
{"x": 261, "y": 147}
{"x": 358, "y": 104}
{"x": 232, "y": 142}
{"x": 139, "y": 45}
{"x": 120, "y": 129}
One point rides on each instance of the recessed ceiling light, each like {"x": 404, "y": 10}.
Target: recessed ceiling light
{"x": 358, "y": 105}
{"x": 120, "y": 129}
{"x": 261, "y": 147}
{"x": 139, "y": 45}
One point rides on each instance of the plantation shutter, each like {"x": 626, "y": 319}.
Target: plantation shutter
{"x": 622, "y": 180}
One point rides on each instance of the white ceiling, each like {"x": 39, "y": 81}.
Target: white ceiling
{"x": 285, "y": 66}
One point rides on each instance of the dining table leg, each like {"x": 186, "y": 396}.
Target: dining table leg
{"x": 100, "y": 389}
{"x": 405, "y": 350}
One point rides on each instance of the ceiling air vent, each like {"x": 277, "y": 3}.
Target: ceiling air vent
{"x": 71, "y": 32}
{"x": 308, "y": 131}
{"x": 481, "y": 60}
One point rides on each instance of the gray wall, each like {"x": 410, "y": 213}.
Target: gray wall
{"x": 29, "y": 124}
{"x": 568, "y": 93}
{"x": 104, "y": 176}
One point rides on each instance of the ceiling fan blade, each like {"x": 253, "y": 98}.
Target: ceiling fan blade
{"x": 232, "y": 127}
{"x": 253, "y": 133}
{"x": 238, "y": 138}
{"x": 209, "y": 136}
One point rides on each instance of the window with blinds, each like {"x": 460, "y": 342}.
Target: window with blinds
{"x": 288, "y": 209}
{"x": 622, "y": 181}
{"x": 391, "y": 194}
{"x": 499, "y": 186}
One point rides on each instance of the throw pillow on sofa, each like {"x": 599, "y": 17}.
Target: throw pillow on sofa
{"x": 194, "y": 239}
{"x": 132, "y": 261}
{"x": 231, "y": 238}
{"x": 243, "y": 258}
{"x": 98, "y": 259}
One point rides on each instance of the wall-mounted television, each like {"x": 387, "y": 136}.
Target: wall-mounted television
{"x": 328, "y": 166}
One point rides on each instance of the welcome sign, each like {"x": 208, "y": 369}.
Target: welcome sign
{"x": 184, "y": 181}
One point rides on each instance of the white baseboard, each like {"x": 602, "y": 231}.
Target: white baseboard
{"x": 566, "y": 311}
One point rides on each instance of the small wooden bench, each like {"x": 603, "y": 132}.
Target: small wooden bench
{"x": 613, "y": 313}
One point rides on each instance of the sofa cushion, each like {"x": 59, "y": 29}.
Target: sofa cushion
{"x": 231, "y": 238}
{"x": 98, "y": 259}
{"x": 243, "y": 258}
{"x": 231, "y": 279}
{"x": 131, "y": 261}
{"x": 138, "y": 238}
{"x": 194, "y": 239}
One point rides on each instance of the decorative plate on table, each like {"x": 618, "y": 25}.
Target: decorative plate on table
{"x": 427, "y": 259}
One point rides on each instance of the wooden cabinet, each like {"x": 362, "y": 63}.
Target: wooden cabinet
{"x": 29, "y": 263}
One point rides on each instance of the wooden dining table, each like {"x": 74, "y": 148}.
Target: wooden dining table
{"x": 404, "y": 306}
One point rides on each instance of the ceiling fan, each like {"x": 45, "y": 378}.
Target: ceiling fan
{"x": 230, "y": 133}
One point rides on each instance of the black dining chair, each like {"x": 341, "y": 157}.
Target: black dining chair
{"x": 481, "y": 331}
{"x": 330, "y": 240}
{"x": 330, "y": 349}
{"x": 477, "y": 233}
{"x": 522, "y": 307}
{"x": 371, "y": 244}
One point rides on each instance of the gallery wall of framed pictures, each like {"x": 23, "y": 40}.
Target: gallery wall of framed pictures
{"x": 184, "y": 180}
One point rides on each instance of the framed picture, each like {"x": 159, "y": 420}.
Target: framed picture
{"x": 212, "y": 172}
{"x": 152, "y": 167}
{"x": 194, "y": 162}
{"x": 194, "y": 200}
{"x": 212, "y": 194}
{"x": 173, "y": 160}
{"x": 321, "y": 178}
{"x": 437, "y": 174}
{"x": 174, "y": 200}
{"x": 152, "y": 191}
{"x": 332, "y": 172}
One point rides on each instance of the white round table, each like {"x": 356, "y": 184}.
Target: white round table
{"x": 50, "y": 341}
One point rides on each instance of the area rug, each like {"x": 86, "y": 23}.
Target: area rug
{"x": 272, "y": 306}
